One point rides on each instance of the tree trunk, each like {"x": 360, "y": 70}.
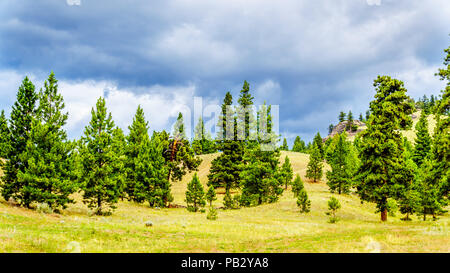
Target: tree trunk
{"x": 384, "y": 215}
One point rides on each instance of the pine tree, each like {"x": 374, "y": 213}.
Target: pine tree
{"x": 260, "y": 177}
{"x": 119, "y": 146}
{"x": 431, "y": 199}
{"x": 286, "y": 172}
{"x": 315, "y": 165}
{"x": 195, "y": 195}
{"x": 381, "y": 146}
{"x": 330, "y": 128}
{"x": 99, "y": 177}
{"x": 202, "y": 143}
{"x": 319, "y": 143}
{"x": 349, "y": 124}
{"x": 333, "y": 207}
{"x": 226, "y": 168}
{"x": 441, "y": 139}
{"x": 211, "y": 195}
{"x": 303, "y": 202}
{"x": 48, "y": 172}
{"x": 340, "y": 176}
{"x": 180, "y": 157}
{"x": 367, "y": 115}
{"x": 297, "y": 185}
{"x": 285, "y": 146}
{"x": 5, "y": 136}
{"x": 22, "y": 116}
{"x": 423, "y": 140}
{"x": 342, "y": 117}
{"x": 245, "y": 118}
{"x": 137, "y": 144}
{"x": 361, "y": 117}
{"x": 299, "y": 145}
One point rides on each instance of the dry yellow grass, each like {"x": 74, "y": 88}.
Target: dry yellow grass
{"x": 277, "y": 227}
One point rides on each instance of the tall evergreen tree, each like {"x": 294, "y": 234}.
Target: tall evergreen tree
{"x": 195, "y": 195}
{"x": 5, "y": 136}
{"x": 202, "y": 143}
{"x": 137, "y": 144}
{"x": 99, "y": 177}
{"x": 286, "y": 172}
{"x": 342, "y": 116}
{"x": 340, "y": 176}
{"x": 297, "y": 185}
{"x": 303, "y": 201}
{"x": 260, "y": 178}
{"x": 319, "y": 143}
{"x": 315, "y": 165}
{"x": 211, "y": 195}
{"x": 48, "y": 173}
{"x": 349, "y": 124}
{"x": 225, "y": 169}
{"x": 299, "y": 145}
{"x": 441, "y": 140}
{"x": 180, "y": 157}
{"x": 22, "y": 116}
{"x": 381, "y": 146}
{"x": 423, "y": 140}
{"x": 245, "y": 118}
{"x": 285, "y": 146}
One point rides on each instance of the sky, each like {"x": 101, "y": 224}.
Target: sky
{"x": 312, "y": 58}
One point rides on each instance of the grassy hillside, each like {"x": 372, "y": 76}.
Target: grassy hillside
{"x": 275, "y": 227}
{"x": 411, "y": 133}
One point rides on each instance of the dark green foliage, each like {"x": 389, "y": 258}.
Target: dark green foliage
{"x": 318, "y": 141}
{"x": 315, "y": 165}
{"x": 367, "y": 115}
{"x": 303, "y": 202}
{"x": 137, "y": 144}
{"x": 431, "y": 199}
{"x": 441, "y": 139}
{"x": 202, "y": 143}
{"x": 285, "y": 146}
{"x": 349, "y": 124}
{"x": 245, "y": 118}
{"x": 5, "y": 136}
{"x": 361, "y": 117}
{"x": 297, "y": 185}
{"x": 225, "y": 169}
{"x": 99, "y": 176}
{"x": 423, "y": 140}
{"x": 342, "y": 171}
{"x": 22, "y": 116}
{"x": 333, "y": 207}
{"x": 47, "y": 177}
{"x": 342, "y": 116}
{"x": 147, "y": 173}
{"x": 195, "y": 195}
{"x": 382, "y": 169}
{"x": 299, "y": 145}
{"x": 260, "y": 177}
{"x": 286, "y": 172}
{"x": 211, "y": 195}
{"x": 330, "y": 128}
{"x": 180, "y": 157}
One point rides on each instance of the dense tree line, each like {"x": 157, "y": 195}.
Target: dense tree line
{"x": 43, "y": 166}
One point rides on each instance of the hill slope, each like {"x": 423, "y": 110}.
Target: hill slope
{"x": 275, "y": 227}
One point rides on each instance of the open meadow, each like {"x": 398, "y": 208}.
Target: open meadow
{"x": 277, "y": 227}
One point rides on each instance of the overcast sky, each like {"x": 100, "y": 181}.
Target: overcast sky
{"x": 312, "y": 58}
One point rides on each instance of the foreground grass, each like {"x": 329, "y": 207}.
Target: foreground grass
{"x": 275, "y": 227}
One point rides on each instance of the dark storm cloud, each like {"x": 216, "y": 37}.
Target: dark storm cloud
{"x": 314, "y": 58}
